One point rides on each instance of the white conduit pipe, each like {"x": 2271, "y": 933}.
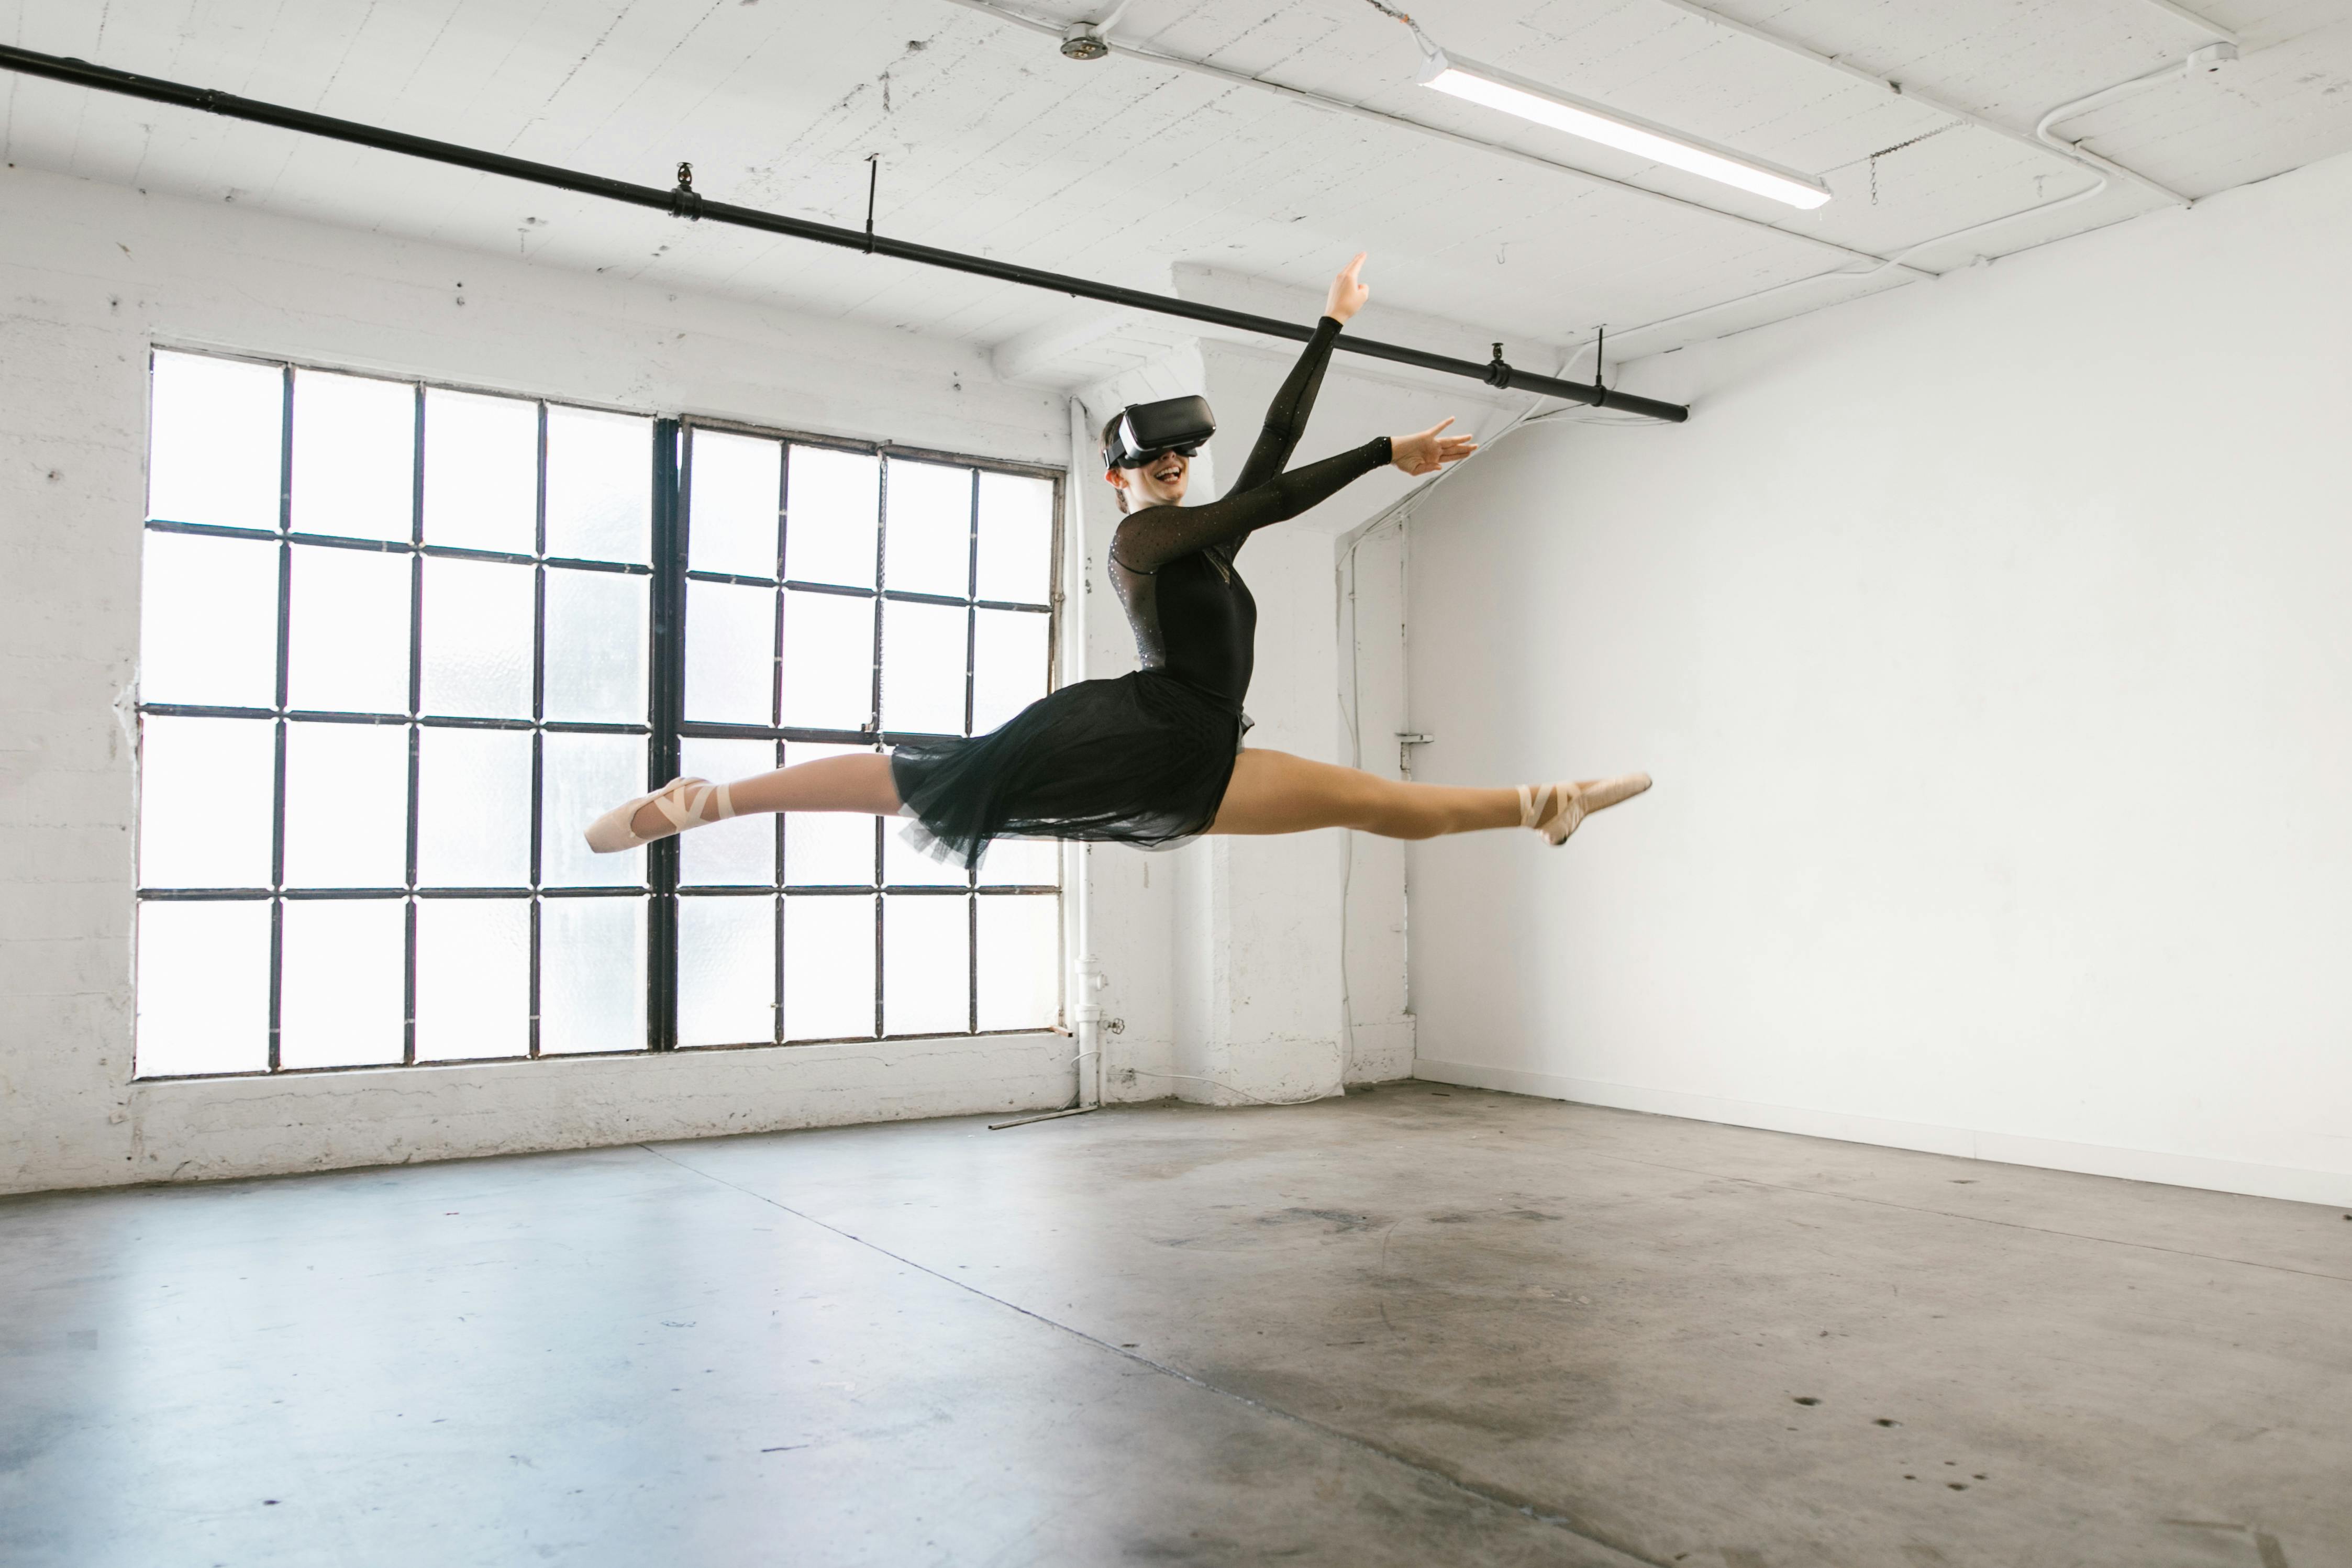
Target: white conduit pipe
{"x": 1087, "y": 980}
{"x": 2042, "y": 130}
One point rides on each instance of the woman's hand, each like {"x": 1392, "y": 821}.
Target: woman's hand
{"x": 1430, "y": 450}
{"x": 1348, "y": 295}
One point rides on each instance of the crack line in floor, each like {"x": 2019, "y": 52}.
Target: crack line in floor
{"x": 1974, "y": 1219}
{"x": 1494, "y": 1499}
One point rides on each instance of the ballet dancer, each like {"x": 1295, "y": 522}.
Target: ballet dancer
{"x": 1153, "y": 758}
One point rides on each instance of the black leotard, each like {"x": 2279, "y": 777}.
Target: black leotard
{"x": 1174, "y": 566}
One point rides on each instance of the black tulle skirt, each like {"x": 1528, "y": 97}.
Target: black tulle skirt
{"x": 1143, "y": 760}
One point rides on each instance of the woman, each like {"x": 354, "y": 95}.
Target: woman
{"x": 1153, "y": 758}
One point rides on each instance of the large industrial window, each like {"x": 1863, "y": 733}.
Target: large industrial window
{"x": 400, "y": 643}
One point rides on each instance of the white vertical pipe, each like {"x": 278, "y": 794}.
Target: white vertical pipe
{"x": 1086, "y": 971}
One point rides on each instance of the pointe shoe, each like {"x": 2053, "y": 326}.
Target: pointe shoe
{"x": 685, "y": 802}
{"x": 1555, "y": 810}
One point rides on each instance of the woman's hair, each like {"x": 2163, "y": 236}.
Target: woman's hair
{"x": 1109, "y": 439}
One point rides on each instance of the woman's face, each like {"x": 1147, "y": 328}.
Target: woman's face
{"x": 1160, "y": 483}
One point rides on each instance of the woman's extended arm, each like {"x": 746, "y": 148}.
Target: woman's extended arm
{"x": 1149, "y": 540}
{"x": 1286, "y": 416}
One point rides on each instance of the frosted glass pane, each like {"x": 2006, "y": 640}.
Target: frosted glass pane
{"x": 922, "y": 668}
{"x": 213, "y": 450}
{"x": 596, "y": 637}
{"x": 473, "y": 978}
{"x": 829, "y": 968}
{"x": 828, "y": 661}
{"x": 905, "y": 865}
{"x": 1009, "y": 651}
{"x": 726, "y": 970}
{"x": 208, "y": 621}
{"x": 832, "y": 502}
{"x": 1021, "y": 863}
{"x": 587, "y": 776}
{"x": 737, "y": 491}
{"x": 730, "y": 652}
{"x": 827, "y": 848}
{"x": 354, "y": 456}
{"x": 348, "y": 647}
{"x": 1020, "y": 962}
{"x": 204, "y": 989}
{"x": 473, "y": 808}
{"x": 599, "y": 485}
{"x": 342, "y": 982}
{"x": 481, "y": 471}
{"x": 592, "y": 975}
{"x": 207, "y": 787}
{"x": 926, "y": 969}
{"x": 739, "y": 851}
{"x": 346, "y": 805}
{"x": 928, "y": 519}
{"x": 477, "y": 632}
{"x": 1017, "y": 539}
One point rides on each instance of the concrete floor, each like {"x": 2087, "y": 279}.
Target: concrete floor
{"x": 1419, "y": 1326}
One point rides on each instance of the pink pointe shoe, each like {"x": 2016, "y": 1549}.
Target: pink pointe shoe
{"x": 1555, "y": 810}
{"x": 685, "y": 802}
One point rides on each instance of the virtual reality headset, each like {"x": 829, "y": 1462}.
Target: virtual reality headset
{"x": 1150, "y": 430}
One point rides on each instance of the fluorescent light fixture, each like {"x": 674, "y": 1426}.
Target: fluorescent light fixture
{"x": 1495, "y": 88}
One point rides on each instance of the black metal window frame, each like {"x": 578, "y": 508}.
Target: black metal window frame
{"x": 673, "y": 727}
{"x": 664, "y": 728}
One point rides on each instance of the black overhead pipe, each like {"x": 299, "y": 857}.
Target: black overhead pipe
{"x": 685, "y": 202}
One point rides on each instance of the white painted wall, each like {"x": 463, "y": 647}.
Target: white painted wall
{"x": 89, "y": 275}
{"x": 1990, "y": 642}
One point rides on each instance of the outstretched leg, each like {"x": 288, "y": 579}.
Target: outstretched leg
{"x": 860, "y": 783}
{"x": 1275, "y": 792}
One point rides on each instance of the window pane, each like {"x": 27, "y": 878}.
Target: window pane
{"x": 906, "y": 865}
{"x": 587, "y": 776}
{"x": 354, "y": 456}
{"x": 473, "y": 977}
{"x": 592, "y": 975}
{"x": 600, "y": 482}
{"x": 477, "y": 632}
{"x": 832, "y": 500}
{"x": 473, "y": 808}
{"x": 596, "y": 647}
{"x": 348, "y": 647}
{"x": 829, "y": 968}
{"x": 926, "y": 968}
{"x": 929, "y": 529}
{"x": 732, "y": 521}
{"x": 208, "y": 621}
{"x": 207, "y": 787}
{"x": 214, "y": 447}
{"x": 827, "y": 848}
{"x": 1021, "y": 863}
{"x": 1009, "y": 649}
{"x": 828, "y": 661}
{"x": 743, "y": 850}
{"x": 1017, "y": 539}
{"x": 1020, "y": 962}
{"x": 481, "y": 471}
{"x": 346, "y": 805}
{"x": 730, "y": 652}
{"x": 726, "y": 970}
{"x": 922, "y": 668}
{"x": 204, "y": 989}
{"x": 342, "y": 982}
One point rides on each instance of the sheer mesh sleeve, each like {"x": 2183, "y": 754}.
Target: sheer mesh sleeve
{"x": 1149, "y": 540}
{"x": 1286, "y": 416}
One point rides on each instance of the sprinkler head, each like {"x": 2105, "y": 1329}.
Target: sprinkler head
{"x": 1082, "y": 42}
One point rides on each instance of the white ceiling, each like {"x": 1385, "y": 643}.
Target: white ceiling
{"x": 990, "y": 141}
